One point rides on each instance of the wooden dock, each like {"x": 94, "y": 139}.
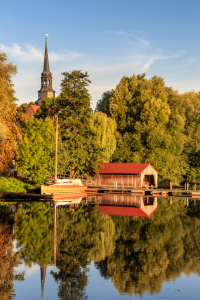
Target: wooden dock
{"x": 142, "y": 192}
{"x": 24, "y": 196}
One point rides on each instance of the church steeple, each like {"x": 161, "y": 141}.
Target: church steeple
{"x": 46, "y": 90}
{"x": 46, "y": 59}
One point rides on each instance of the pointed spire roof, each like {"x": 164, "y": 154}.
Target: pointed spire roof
{"x": 46, "y": 59}
{"x": 43, "y": 275}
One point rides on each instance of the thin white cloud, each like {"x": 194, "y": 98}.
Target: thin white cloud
{"x": 30, "y": 54}
{"x": 154, "y": 58}
{"x": 105, "y": 70}
{"x": 143, "y": 41}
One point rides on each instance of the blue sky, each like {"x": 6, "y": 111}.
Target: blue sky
{"x": 108, "y": 39}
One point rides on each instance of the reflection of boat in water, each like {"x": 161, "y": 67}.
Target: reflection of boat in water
{"x": 68, "y": 201}
{"x": 64, "y": 186}
{"x": 68, "y": 197}
{"x": 126, "y": 205}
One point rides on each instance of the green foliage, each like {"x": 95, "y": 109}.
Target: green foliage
{"x": 105, "y": 131}
{"x": 103, "y": 105}
{"x": 47, "y": 109}
{"x": 36, "y": 152}
{"x": 81, "y": 152}
{"x": 13, "y": 185}
{"x": 191, "y": 106}
{"x": 150, "y": 125}
{"x": 79, "y": 235}
{"x": 138, "y": 255}
{"x": 24, "y": 106}
{"x": 151, "y": 251}
{"x": 35, "y": 233}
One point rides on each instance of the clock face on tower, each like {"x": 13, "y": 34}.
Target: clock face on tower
{"x": 50, "y": 94}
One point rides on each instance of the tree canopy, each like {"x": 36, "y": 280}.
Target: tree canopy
{"x": 36, "y": 152}
{"x": 10, "y": 133}
{"x": 155, "y": 124}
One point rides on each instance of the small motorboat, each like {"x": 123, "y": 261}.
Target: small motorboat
{"x": 64, "y": 186}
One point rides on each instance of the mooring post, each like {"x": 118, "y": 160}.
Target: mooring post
{"x": 171, "y": 186}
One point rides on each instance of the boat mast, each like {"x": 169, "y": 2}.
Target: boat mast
{"x": 56, "y": 156}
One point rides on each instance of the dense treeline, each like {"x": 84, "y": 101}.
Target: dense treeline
{"x": 155, "y": 124}
{"x": 141, "y": 120}
{"x": 138, "y": 255}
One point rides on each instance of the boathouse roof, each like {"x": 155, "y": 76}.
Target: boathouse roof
{"x": 124, "y": 168}
{"x": 124, "y": 211}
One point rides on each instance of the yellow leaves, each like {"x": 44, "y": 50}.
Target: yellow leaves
{"x": 9, "y": 132}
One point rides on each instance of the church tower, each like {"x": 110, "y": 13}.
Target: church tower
{"x": 46, "y": 80}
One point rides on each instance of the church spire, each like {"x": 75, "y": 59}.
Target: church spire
{"x": 46, "y": 90}
{"x": 43, "y": 275}
{"x": 46, "y": 59}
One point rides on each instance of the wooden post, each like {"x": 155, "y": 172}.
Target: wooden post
{"x": 56, "y": 157}
{"x": 170, "y": 201}
{"x": 185, "y": 186}
{"x": 55, "y": 235}
{"x": 195, "y": 186}
{"x": 195, "y": 201}
{"x": 171, "y": 186}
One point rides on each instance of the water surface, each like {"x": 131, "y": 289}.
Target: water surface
{"x": 95, "y": 252}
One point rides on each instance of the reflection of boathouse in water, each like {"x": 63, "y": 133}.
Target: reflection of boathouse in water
{"x": 126, "y": 205}
{"x": 128, "y": 174}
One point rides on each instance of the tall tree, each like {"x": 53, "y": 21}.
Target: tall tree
{"x": 9, "y": 131}
{"x": 36, "y": 152}
{"x": 81, "y": 151}
{"x": 103, "y": 104}
{"x": 105, "y": 129}
{"x": 191, "y": 108}
{"x": 147, "y": 126}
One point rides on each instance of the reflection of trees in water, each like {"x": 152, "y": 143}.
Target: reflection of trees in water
{"x": 80, "y": 237}
{"x": 154, "y": 250}
{"x": 8, "y": 259}
{"x": 35, "y": 232}
{"x": 139, "y": 255}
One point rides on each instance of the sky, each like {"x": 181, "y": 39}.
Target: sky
{"x": 108, "y": 39}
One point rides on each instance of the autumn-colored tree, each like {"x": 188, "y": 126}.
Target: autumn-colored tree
{"x": 8, "y": 259}
{"x": 10, "y": 133}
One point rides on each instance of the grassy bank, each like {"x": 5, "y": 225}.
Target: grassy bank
{"x": 13, "y": 185}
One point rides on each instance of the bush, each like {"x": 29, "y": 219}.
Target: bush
{"x": 13, "y": 185}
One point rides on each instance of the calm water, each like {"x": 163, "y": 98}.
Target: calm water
{"x": 127, "y": 247}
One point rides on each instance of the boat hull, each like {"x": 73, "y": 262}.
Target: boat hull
{"x": 56, "y": 189}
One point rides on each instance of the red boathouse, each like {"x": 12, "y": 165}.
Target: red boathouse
{"x": 128, "y": 174}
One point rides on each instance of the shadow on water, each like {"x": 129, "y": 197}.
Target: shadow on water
{"x": 138, "y": 242}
